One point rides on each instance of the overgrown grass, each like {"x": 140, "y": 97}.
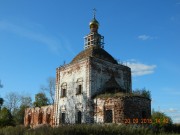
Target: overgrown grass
{"x": 83, "y": 129}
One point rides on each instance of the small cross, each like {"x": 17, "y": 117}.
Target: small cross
{"x": 94, "y": 12}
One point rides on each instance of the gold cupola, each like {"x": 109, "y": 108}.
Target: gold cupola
{"x": 94, "y": 24}
{"x": 94, "y": 39}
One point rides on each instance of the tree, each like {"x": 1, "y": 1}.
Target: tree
{"x": 19, "y": 115}
{"x": 12, "y": 101}
{"x": 1, "y": 99}
{"x": 26, "y": 101}
{"x": 142, "y": 92}
{"x": 40, "y": 100}
{"x": 19, "y": 112}
{"x": 1, "y": 102}
{"x": 6, "y": 118}
{"x": 160, "y": 121}
{"x": 50, "y": 88}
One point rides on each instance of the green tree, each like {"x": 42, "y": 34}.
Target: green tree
{"x": 142, "y": 92}
{"x": 6, "y": 118}
{"x": 41, "y": 100}
{"x": 1, "y": 102}
{"x": 19, "y": 112}
{"x": 1, "y": 99}
{"x": 161, "y": 122}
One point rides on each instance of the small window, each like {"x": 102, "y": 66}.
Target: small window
{"x": 63, "y": 92}
{"x": 79, "y": 89}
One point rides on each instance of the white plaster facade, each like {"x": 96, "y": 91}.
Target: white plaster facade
{"x": 92, "y": 71}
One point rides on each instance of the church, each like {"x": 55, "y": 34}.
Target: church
{"x": 92, "y": 88}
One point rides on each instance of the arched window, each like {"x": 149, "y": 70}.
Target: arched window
{"x": 64, "y": 90}
{"x": 79, "y": 86}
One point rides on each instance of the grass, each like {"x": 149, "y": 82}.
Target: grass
{"x": 82, "y": 129}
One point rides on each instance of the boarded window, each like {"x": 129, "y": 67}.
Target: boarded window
{"x": 108, "y": 116}
{"x": 63, "y": 117}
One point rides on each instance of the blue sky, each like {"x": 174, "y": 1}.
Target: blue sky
{"x": 38, "y": 36}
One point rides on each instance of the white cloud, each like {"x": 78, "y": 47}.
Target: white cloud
{"x": 170, "y": 110}
{"x": 173, "y": 113}
{"x": 139, "y": 69}
{"x": 54, "y": 44}
{"x": 145, "y": 37}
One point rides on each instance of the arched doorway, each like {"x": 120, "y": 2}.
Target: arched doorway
{"x": 79, "y": 117}
{"x": 40, "y": 118}
{"x": 29, "y": 118}
{"x": 48, "y": 118}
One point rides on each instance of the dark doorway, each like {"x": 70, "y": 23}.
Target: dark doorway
{"x": 48, "y": 118}
{"x": 79, "y": 117}
{"x": 63, "y": 116}
{"x": 108, "y": 116}
{"x": 29, "y": 119}
{"x": 40, "y": 119}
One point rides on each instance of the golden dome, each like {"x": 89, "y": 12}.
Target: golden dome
{"x": 93, "y": 23}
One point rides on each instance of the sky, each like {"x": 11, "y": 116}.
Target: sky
{"x": 36, "y": 37}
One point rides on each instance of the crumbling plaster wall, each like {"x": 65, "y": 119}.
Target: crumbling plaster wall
{"x": 101, "y": 72}
{"x": 72, "y": 102}
{"x": 125, "y": 107}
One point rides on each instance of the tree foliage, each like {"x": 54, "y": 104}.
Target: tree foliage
{"x": 142, "y": 92}
{"x": 6, "y": 118}
{"x": 19, "y": 112}
{"x": 161, "y": 122}
{"x": 40, "y": 100}
{"x": 1, "y": 102}
{"x": 160, "y": 118}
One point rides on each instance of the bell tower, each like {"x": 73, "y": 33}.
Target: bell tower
{"x": 94, "y": 39}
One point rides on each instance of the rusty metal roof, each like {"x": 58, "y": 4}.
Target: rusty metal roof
{"x": 96, "y": 52}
